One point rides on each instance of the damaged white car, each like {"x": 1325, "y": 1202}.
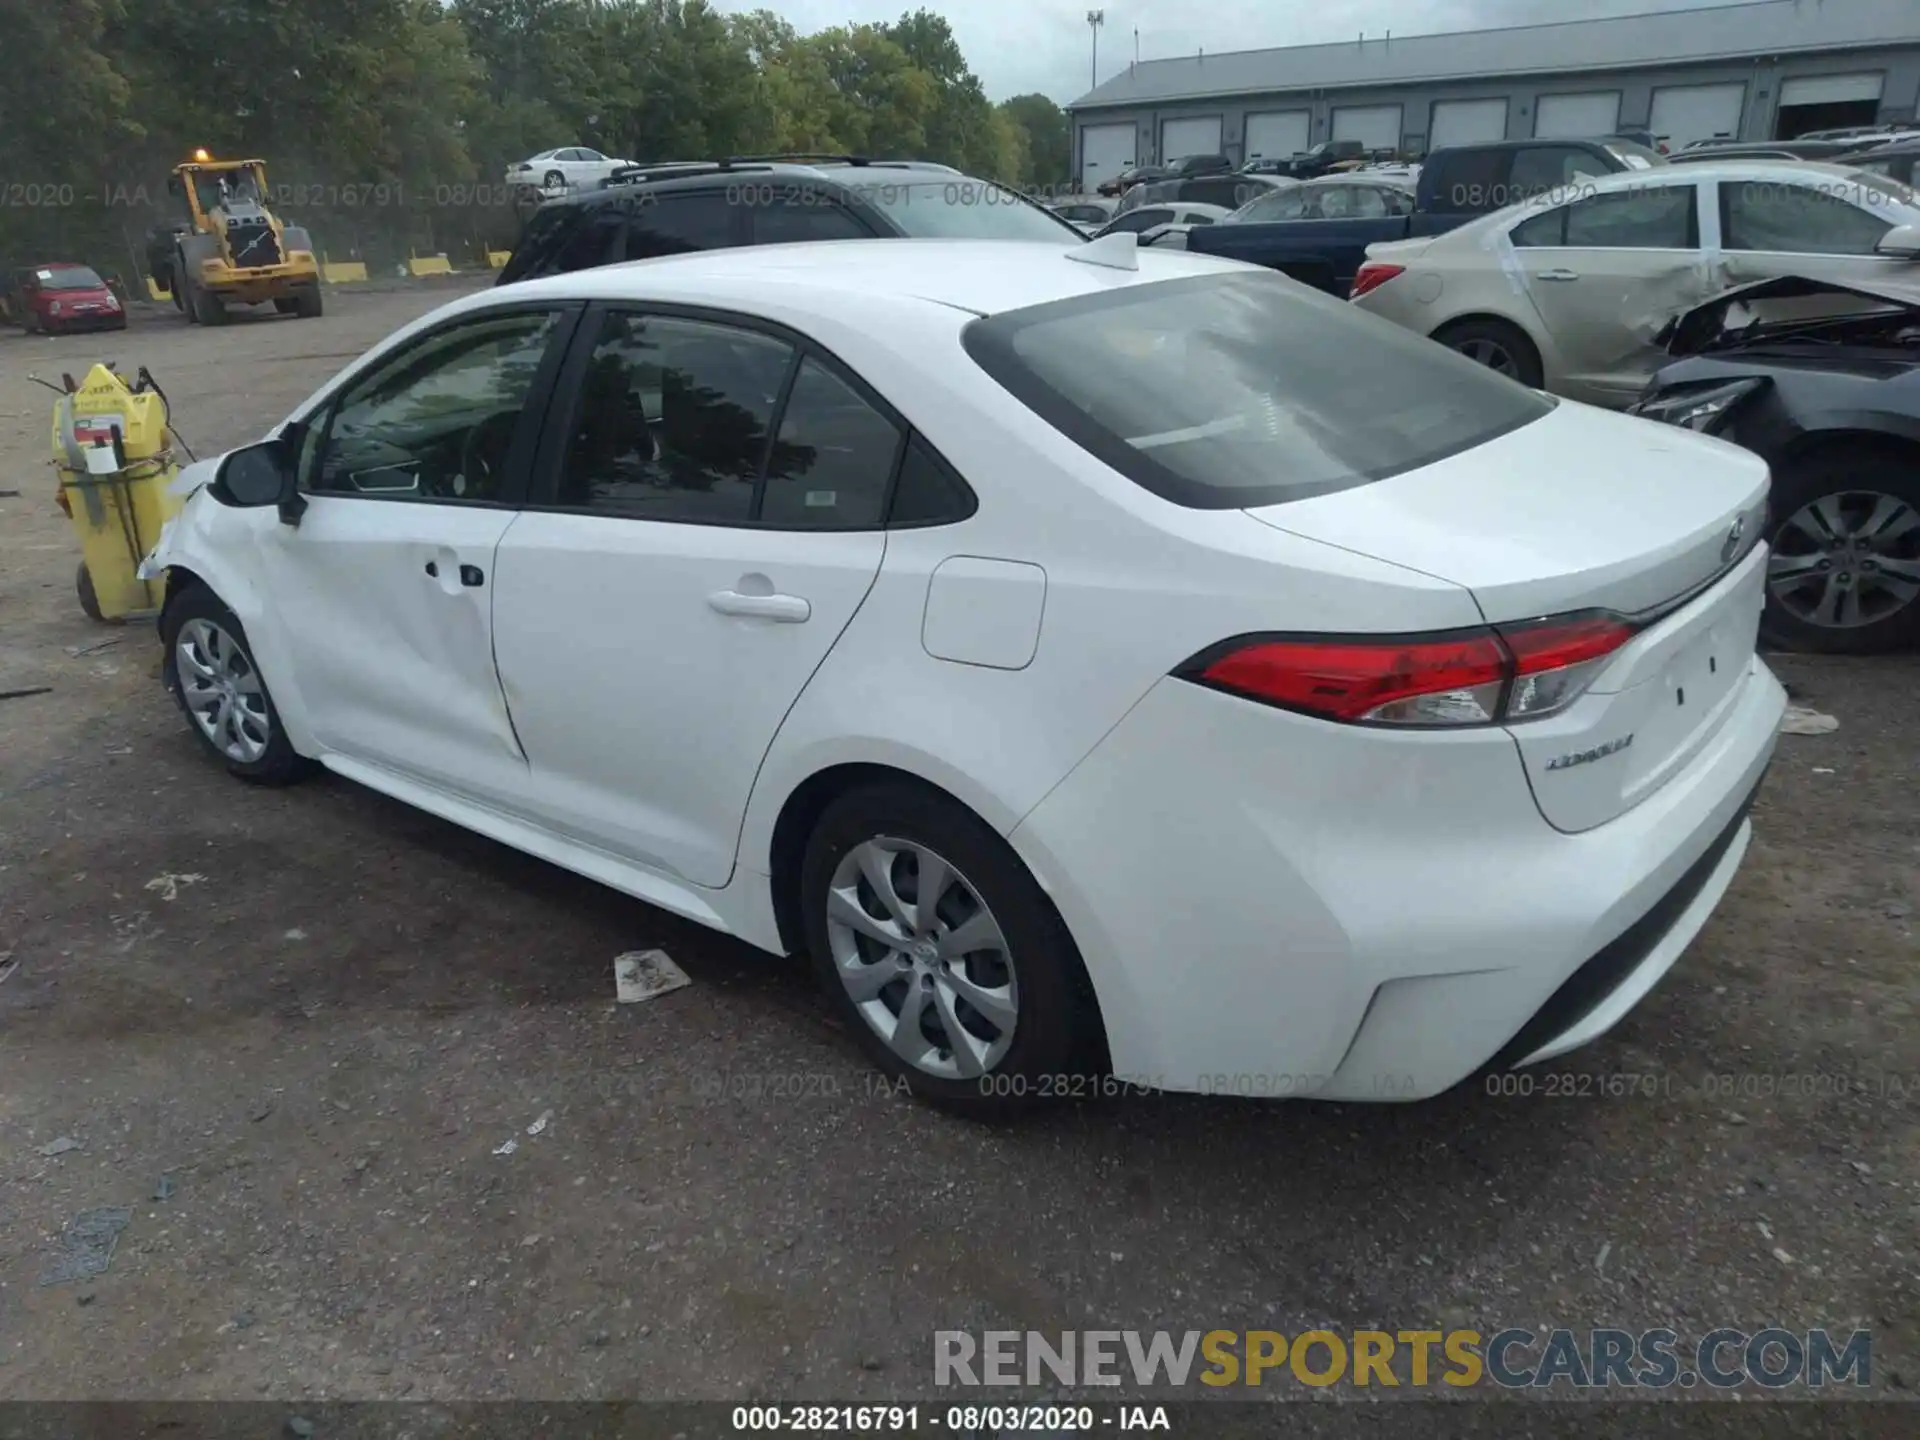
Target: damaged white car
{"x": 1570, "y": 292}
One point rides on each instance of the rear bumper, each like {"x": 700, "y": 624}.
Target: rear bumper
{"x": 1357, "y": 914}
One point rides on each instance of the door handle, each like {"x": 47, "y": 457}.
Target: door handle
{"x": 787, "y": 609}
{"x": 1559, "y": 275}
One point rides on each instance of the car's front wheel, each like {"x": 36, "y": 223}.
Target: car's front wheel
{"x": 210, "y": 671}
{"x": 1843, "y": 575}
{"x": 945, "y": 958}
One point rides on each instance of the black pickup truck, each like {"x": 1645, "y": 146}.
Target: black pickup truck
{"x": 1319, "y": 232}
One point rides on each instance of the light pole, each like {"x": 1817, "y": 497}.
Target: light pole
{"x": 1095, "y": 19}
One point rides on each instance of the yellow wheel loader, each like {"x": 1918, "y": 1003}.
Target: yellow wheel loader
{"x": 231, "y": 249}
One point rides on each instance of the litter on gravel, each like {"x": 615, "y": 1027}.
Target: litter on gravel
{"x": 7, "y": 966}
{"x": 645, "y": 975}
{"x": 60, "y": 1146}
{"x": 89, "y": 1240}
{"x": 1800, "y": 720}
{"x": 168, "y": 885}
{"x": 541, "y": 1124}
{"x": 507, "y": 1149}
{"x": 78, "y": 650}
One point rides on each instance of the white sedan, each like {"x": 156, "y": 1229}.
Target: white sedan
{"x": 1570, "y": 291}
{"x": 572, "y": 167}
{"x": 1098, "y": 661}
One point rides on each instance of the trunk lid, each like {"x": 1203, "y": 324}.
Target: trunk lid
{"x": 1586, "y": 510}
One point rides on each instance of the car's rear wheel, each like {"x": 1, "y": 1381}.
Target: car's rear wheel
{"x": 1844, "y": 573}
{"x": 209, "y": 668}
{"x": 944, "y": 957}
{"x": 1498, "y": 346}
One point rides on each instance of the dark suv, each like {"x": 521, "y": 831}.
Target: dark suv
{"x": 670, "y": 209}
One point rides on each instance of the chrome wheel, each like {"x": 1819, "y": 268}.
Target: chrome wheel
{"x": 222, "y": 691}
{"x": 1850, "y": 558}
{"x": 922, "y": 958}
{"x": 1490, "y": 353}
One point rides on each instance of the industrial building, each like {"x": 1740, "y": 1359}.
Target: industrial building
{"x": 1768, "y": 70}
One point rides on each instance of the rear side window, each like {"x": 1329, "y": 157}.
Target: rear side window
{"x": 675, "y": 224}
{"x": 1468, "y": 180}
{"x": 960, "y": 208}
{"x": 834, "y": 458}
{"x": 1244, "y": 389}
{"x": 784, "y": 221}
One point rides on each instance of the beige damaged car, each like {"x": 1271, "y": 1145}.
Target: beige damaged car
{"x": 1569, "y": 292}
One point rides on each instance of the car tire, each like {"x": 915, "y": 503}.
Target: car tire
{"x": 1051, "y": 1047}
{"x": 553, "y": 180}
{"x": 1859, "y": 491}
{"x": 197, "y": 629}
{"x": 1497, "y": 345}
{"x": 89, "y": 597}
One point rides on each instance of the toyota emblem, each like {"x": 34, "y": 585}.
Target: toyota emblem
{"x": 1730, "y": 547}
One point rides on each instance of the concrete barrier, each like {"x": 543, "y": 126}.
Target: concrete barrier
{"x": 498, "y": 258}
{"x": 430, "y": 265}
{"x": 345, "y": 272}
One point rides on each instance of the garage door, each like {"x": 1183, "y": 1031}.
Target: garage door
{"x": 1277, "y": 134}
{"x": 1577, "y": 117}
{"x": 1105, "y": 150}
{"x": 1375, "y": 126}
{"x": 1831, "y": 90}
{"x": 1685, "y": 113}
{"x": 1180, "y": 138}
{"x": 1467, "y": 122}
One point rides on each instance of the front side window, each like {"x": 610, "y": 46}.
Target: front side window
{"x": 1774, "y": 215}
{"x": 437, "y": 421}
{"x": 1244, "y": 389}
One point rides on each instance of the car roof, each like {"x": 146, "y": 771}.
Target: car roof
{"x": 984, "y": 277}
{"x": 668, "y": 175}
{"x": 1732, "y": 168}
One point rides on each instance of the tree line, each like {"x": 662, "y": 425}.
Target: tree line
{"x": 388, "y": 125}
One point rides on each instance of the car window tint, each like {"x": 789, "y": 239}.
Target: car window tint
{"x": 961, "y": 208}
{"x": 437, "y": 421}
{"x": 783, "y": 222}
{"x": 1288, "y": 204}
{"x": 1468, "y": 179}
{"x": 1244, "y": 388}
{"x": 672, "y": 420}
{"x": 594, "y": 240}
{"x": 1641, "y": 219}
{"x": 676, "y": 224}
{"x": 1541, "y": 168}
{"x": 1796, "y": 219}
{"x": 833, "y": 459}
{"x": 927, "y": 492}
{"x": 1546, "y": 228}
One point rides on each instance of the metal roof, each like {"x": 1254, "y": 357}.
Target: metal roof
{"x": 1667, "y": 37}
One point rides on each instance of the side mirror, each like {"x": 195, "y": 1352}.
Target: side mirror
{"x": 1902, "y": 242}
{"x": 261, "y": 475}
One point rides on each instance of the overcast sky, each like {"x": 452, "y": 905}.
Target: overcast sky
{"x": 1017, "y": 46}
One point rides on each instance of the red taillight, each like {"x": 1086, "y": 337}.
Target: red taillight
{"x": 1372, "y": 276}
{"x": 1474, "y": 677}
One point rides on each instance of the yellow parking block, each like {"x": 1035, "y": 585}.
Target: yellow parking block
{"x": 498, "y": 258}
{"x": 158, "y": 291}
{"x": 430, "y": 265}
{"x": 345, "y": 272}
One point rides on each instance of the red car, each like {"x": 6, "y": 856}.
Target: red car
{"x": 61, "y": 298}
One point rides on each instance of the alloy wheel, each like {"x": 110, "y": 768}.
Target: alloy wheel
{"x": 1490, "y": 353}
{"x": 222, "y": 691}
{"x": 1847, "y": 559}
{"x": 922, "y": 958}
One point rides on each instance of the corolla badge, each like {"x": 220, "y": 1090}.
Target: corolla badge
{"x": 1730, "y": 546}
{"x": 1587, "y": 757}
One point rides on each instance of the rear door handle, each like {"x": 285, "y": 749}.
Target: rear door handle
{"x": 786, "y": 609}
{"x": 1560, "y": 275}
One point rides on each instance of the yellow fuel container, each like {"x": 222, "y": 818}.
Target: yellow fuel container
{"x": 114, "y": 459}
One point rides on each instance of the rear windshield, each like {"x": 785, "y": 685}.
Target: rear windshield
{"x": 961, "y": 209}
{"x": 74, "y": 277}
{"x": 540, "y": 241}
{"x": 1244, "y": 389}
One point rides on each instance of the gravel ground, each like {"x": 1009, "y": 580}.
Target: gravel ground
{"x": 311, "y": 1019}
